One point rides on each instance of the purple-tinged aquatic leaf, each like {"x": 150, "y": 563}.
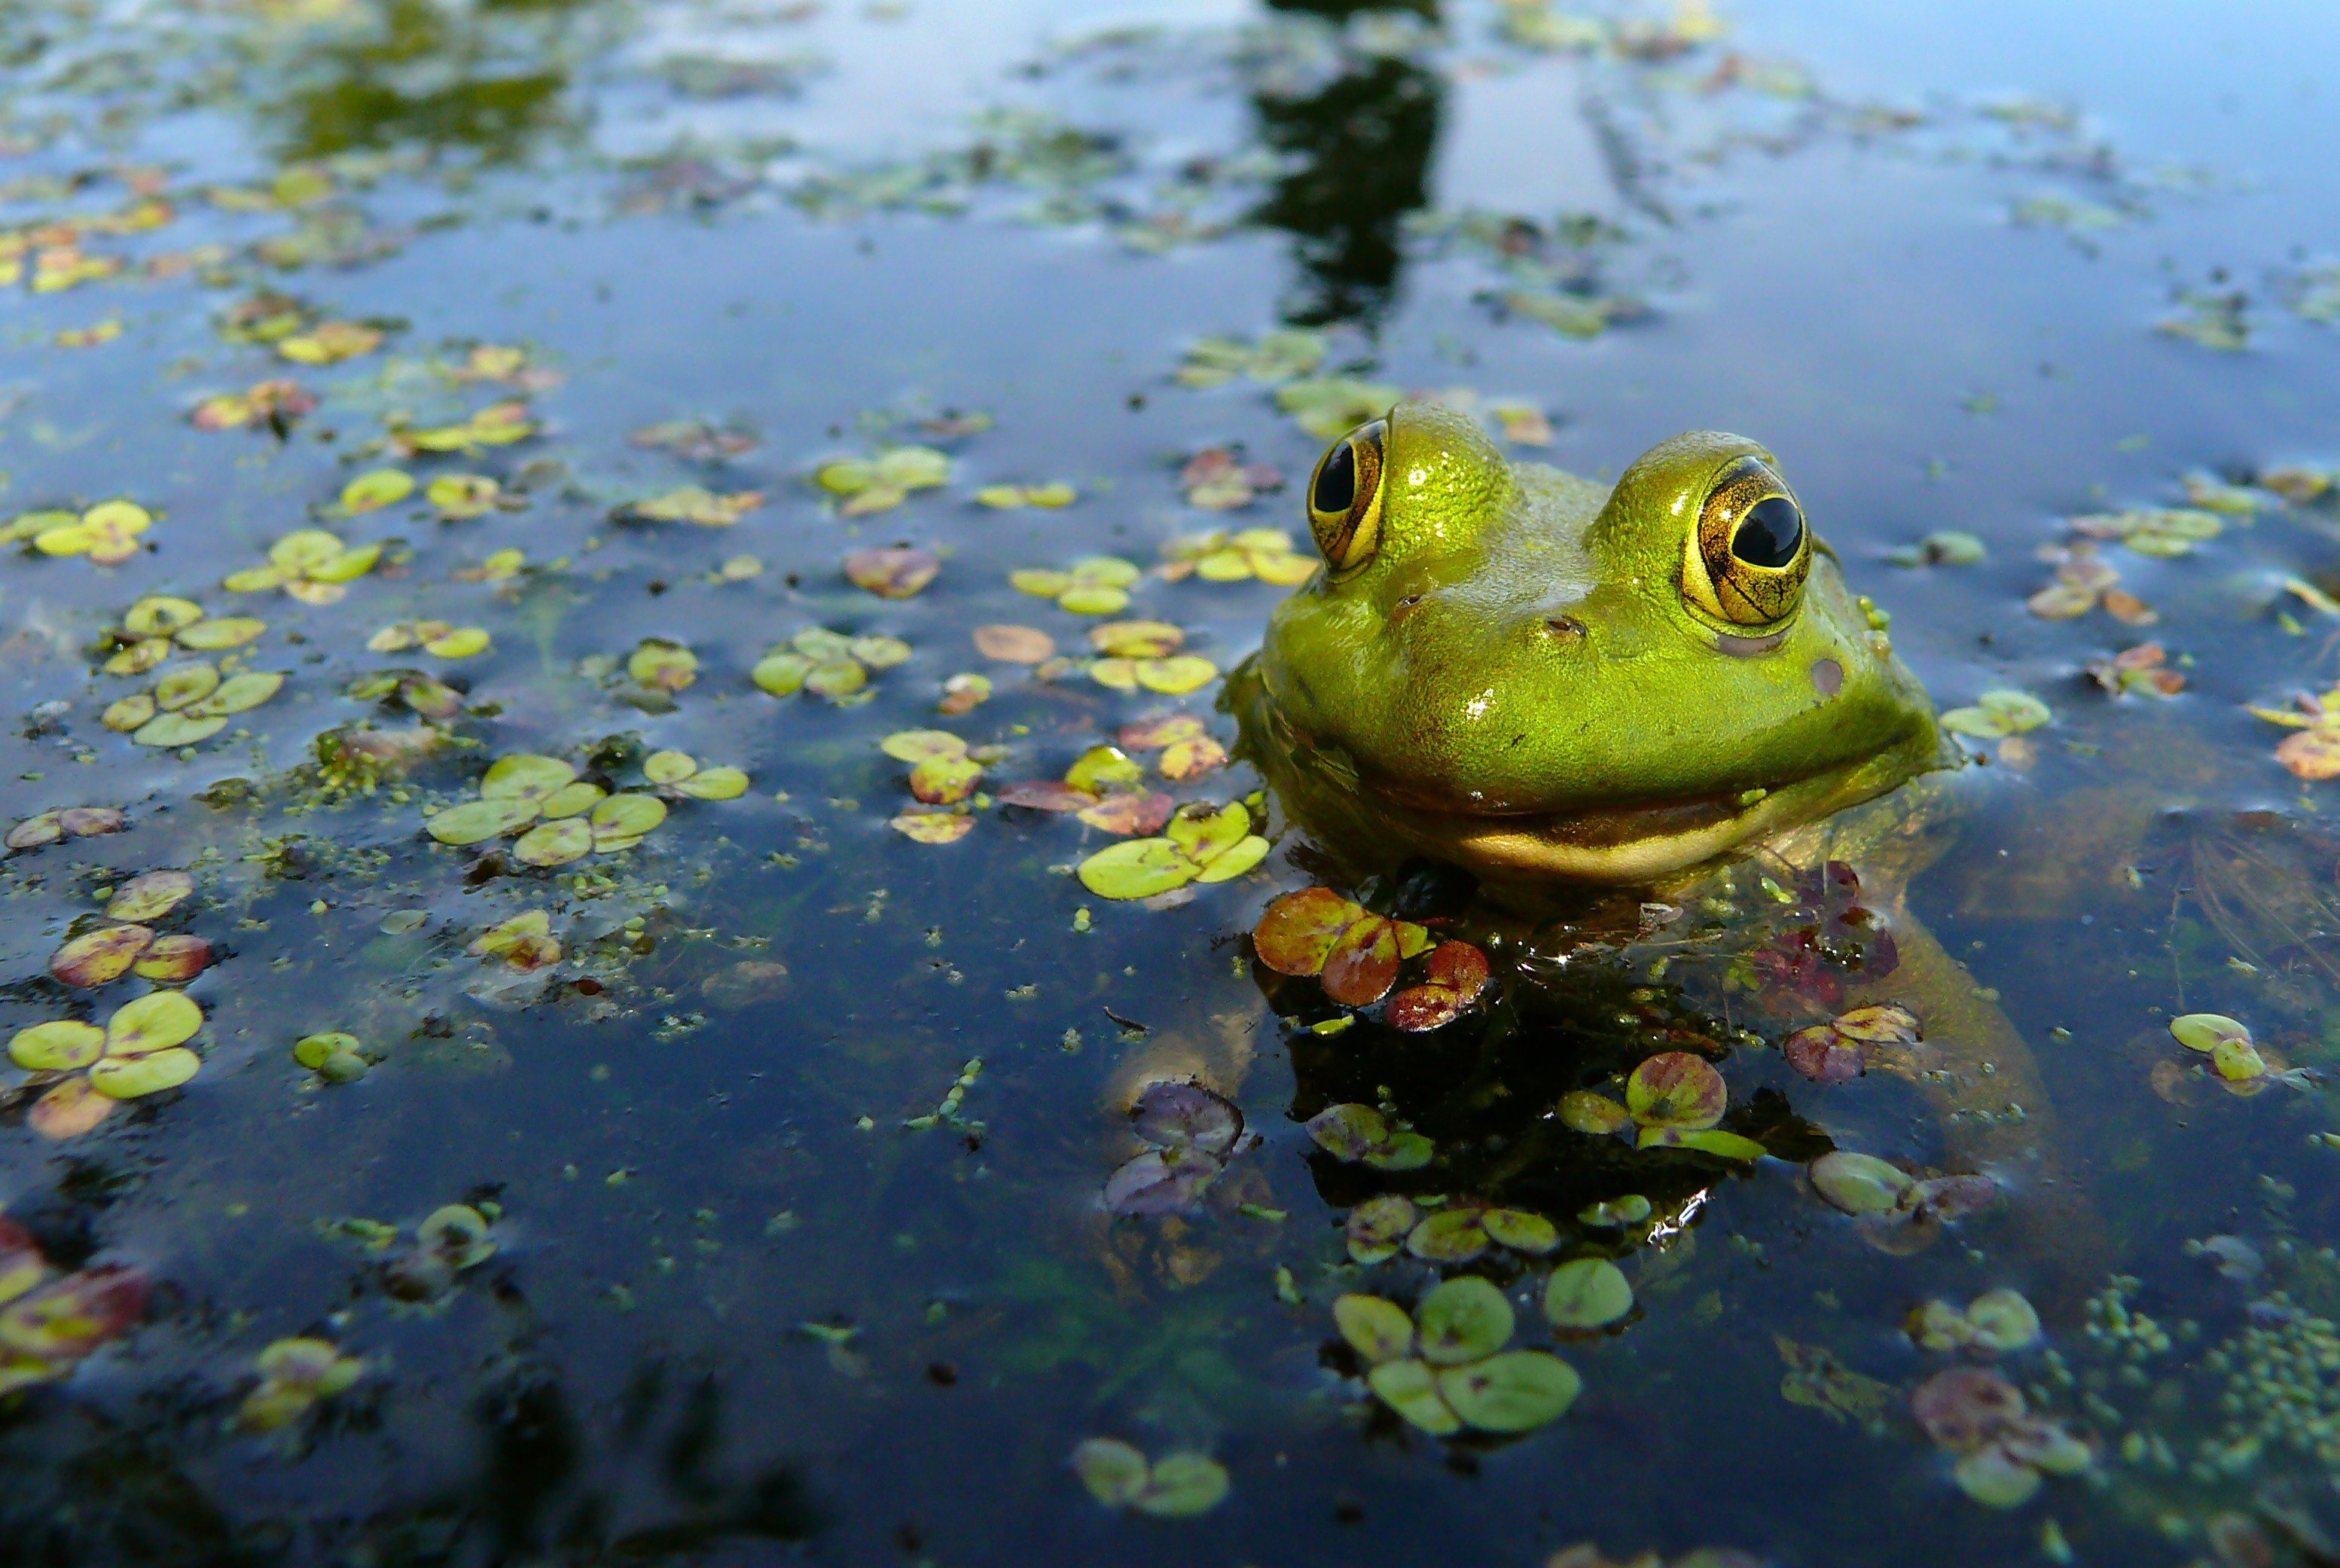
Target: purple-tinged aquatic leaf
{"x": 1160, "y": 1182}
{"x": 1186, "y": 1115}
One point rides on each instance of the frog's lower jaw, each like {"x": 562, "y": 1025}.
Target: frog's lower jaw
{"x": 1645, "y": 846}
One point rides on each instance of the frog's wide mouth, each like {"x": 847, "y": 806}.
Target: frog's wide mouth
{"x": 1624, "y": 843}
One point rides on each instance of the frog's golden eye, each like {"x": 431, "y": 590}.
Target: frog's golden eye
{"x": 1747, "y": 559}
{"x": 1344, "y": 497}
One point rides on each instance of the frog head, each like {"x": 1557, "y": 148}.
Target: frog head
{"x": 1518, "y": 670}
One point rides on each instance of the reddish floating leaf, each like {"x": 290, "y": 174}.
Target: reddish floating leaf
{"x": 1460, "y": 968}
{"x": 1296, "y": 934}
{"x": 1676, "y": 1089}
{"x": 100, "y": 956}
{"x": 892, "y": 574}
{"x": 1133, "y": 814}
{"x": 1047, "y": 795}
{"x": 1362, "y": 965}
{"x": 69, "y": 1319}
{"x": 1418, "y": 1009}
{"x": 1825, "y": 1055}
{"x": 174, "y": 959}
{"x": 1964, "y": 1407}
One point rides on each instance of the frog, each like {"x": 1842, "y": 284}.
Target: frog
{"x": 1587, "y": 697}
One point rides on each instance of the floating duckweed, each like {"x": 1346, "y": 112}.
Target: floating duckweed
{"x": 152, "y": 626}
{"x": 1176, "y": 1486}
{"x": 107, "y": 532}
{"x": 271, "y": 405}
{"x": 679, "y": 773}
{"x": 498, "y": 425}
{"x": 1355, "y": 954}
{"x": 1948, "y": 548}
{"x": 827, "y": 663}
{"x": 336, "y": 1057}
{"x": 1009, "y": 497}
{"x": 67, "y": 822}
{"x": 1587, "y": 1292}
{"x": 1613, "y": 1213}
{"x": 328, "y": 342}
{"x": 1997, "y": 714}
{"x": 1265, "y": 553}
{"x": 1093, "y": 585}
{"x": 459, "y": 497}
{"x": 1673, "y": 1099}
{"x": 694, "y": 504}
{"x": 663, "y": 665}
{"x": 524, "y": 943}
{"x": 372, "y": 490}
{"x": 140, "y": 1052}
{"x": 864, "y": 486}
{"x": 149, "y": 896}
{"x": 1995, "y": 1321}
{"x": 1359, "y": 1133}
{"x": 294, "y": 1374}
{"x": 310, "y": 565}
{"x": 1275, "y": 357}
{"x": 1331, "y": 406}
{"x": 437, "y": 638}
{"x": 892, "y": 574}
{"x": 1201, "y": 844}
{"x": 1464, "y": 1376}
{"x": 2159, "y": 532}
{"x": 1377, "y": 1227}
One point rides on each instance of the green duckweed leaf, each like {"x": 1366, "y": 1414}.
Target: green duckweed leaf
{"x": 1675, "y": 1090}
{"x": 1859, "y": 1184}
{"x": 1448, "y": 1235}
{"x": 1587, "y": 1292}
{"x": 1136, "y": 868}
{"x": 375, "y": 489}
{"x": 1519, "y": 1230}
{"x": 154, "y": 1022}
{"x": 2205, "y": 1032}
{"x": 476, "y": 821}
{"x": 621, "y": 819}
{"x": 555, "y": 843}
{"x": 525, "y": 777}
{"x": 1462, "y": 1320}
{"x": 132, "y": 1078}
{"x": 1376, "y": 1328}
{"x": 167, "y": 730}
{"x": 1114, "y": 1472}
{"x": 1182, "y": 1486}
{"x": 714, "y": 784}
{"x": 573, "y": 800}
{"x": 1518, "y": 1390}
{"x": 60, "y": 1045}
{"x": 1410, "y": 1388}
{"x": 668, "y": 767}
{"x": 188, "y": 684}
{"x": 149, "y": 896}
{"x": 1594, "y": 1114}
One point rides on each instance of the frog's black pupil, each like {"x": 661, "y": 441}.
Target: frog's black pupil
{"x": 1773, "y": 533}
{"x": 1337, "y": 482}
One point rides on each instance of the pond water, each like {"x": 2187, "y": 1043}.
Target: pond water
{"x": 694, "y": 1146}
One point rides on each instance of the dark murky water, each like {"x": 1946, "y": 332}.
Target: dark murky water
{"x": 736, "y": 1308}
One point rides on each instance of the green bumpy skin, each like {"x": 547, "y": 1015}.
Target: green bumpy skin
{"x": 1516, "y": 677}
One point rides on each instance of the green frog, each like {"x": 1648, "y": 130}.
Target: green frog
{"x": 1572, "y": 692}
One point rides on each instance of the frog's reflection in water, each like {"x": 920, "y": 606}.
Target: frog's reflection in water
{"x": 1358, "y": 149}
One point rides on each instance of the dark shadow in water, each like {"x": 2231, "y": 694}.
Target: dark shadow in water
{"x": 491, "y": 80}
{"x": 547, "y": 1487}
{"x": 1361, "y": 149}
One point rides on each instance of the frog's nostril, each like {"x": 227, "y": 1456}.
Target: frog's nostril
{"x": 1404, "y": 607}
{"x": 1565, "y": 629}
